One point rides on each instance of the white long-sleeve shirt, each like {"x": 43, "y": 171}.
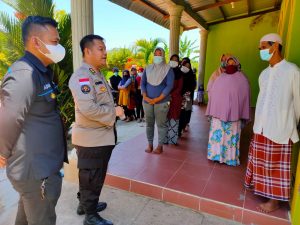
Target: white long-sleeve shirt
{"x": 278, "y": 105}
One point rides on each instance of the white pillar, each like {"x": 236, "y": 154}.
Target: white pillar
{"x": 175, "y": 12}
{"x": 82, "y": 24}
{"x": 202, "y": 56}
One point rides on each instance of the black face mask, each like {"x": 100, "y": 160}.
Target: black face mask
{"x": 231, "y": 69}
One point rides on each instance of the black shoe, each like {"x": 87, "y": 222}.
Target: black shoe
{"x": 95, "y": 219}
{"x": 100, "y": 207}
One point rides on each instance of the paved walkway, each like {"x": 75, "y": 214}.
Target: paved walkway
{"x": 124, "y": 208}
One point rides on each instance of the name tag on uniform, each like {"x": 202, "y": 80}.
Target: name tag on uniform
{"x": 98, "y": 82}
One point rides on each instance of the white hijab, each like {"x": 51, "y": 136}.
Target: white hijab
{"x": 156, "y": 73}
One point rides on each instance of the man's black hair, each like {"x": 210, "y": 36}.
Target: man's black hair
{"x": 30, "y": 22}
{"x": 87, "y": 41}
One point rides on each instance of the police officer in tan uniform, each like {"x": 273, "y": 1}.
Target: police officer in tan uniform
{"x": 93, "y": 132}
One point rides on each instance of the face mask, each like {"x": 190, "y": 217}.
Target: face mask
{"x": 157, "y": 59}
{"x": 231, "y": 69}
{"x": 56, "y": 52}
{"x": 173, "y": 64}
{"x": 140, "y": 74}
{"x": 116, "y": 73}
{"x": 185, "y": 69}
{"x": 265, "y": 55}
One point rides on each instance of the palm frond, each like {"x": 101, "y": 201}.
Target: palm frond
{"x": 33, "y": 7}
{"x": 10, "y": 34}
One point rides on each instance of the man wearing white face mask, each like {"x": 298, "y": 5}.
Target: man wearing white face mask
{"x": 275, "y": 127}
{"x": 32, "y": 140}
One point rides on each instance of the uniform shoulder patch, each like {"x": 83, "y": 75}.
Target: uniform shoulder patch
{"x": 85, "y": 89}
{"x": 84, "y": 85}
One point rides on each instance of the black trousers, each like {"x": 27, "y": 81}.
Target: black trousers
{"x": 139, "y": 105}
{"x": 92, "y": 165}
{"x": 185, "y": 117}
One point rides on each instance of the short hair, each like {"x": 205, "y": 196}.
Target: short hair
{"x": 31, "y": 22}
{"x": 87, "y": 41}
{"x": 115, "y": 69}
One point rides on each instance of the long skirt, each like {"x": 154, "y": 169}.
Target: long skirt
{"x": 224, "y": 142}
{"x": 124, "y": 99}
{"x": 172, "y": 135}
{"x": 269, "y": 168}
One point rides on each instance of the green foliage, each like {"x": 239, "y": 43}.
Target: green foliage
{"x": 32, "y": 7}
{"x": 147, "y": 47}
{"x": 187, "y": 47}
{"x": 118, "y": 57}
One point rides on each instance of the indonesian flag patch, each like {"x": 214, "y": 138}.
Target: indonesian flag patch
{"x": 83, "y": 81}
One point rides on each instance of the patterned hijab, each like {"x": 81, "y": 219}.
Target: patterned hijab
{"x": 156, "y": 73}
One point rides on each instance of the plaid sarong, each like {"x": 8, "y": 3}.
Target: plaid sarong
{"x": 269, "y": 168}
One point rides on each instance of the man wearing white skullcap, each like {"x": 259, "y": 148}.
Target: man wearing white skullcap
{"x": 275, "y": 127}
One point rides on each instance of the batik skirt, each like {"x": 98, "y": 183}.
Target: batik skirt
{"x": 224, "y": 142}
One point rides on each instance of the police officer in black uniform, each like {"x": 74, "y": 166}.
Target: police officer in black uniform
{"x": 32, "y": 140}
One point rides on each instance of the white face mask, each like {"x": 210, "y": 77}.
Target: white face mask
{"x": 140, "y": 74}
{"x": 56, "y": 52}
{"x": 185, "y": 69}
{"x": 173, "y": 64}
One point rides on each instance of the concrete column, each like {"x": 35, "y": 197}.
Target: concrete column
{"x": 82, "y": 24}
{"x": 175, "y": 17}
{"x": 202, "y": 56}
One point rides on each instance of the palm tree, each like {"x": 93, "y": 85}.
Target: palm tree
{"x": 186, "y": 48}
{"x": 147, "y": 47}
{"x": 12, "y": 47}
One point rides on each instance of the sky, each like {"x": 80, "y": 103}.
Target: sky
{"x": 119, "y": 26}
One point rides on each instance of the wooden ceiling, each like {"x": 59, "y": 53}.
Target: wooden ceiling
{"x": 199, "y": 13}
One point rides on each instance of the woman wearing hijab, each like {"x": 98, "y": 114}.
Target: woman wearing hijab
{"x": 175, "y": 103}
{"x": 157, "y": 83}
{"x": 228, "y": 107}
{"x": 189, "y": 85}
{"x": 124, "y": 87}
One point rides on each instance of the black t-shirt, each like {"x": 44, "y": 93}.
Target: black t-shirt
{"x": 114, "y": 81}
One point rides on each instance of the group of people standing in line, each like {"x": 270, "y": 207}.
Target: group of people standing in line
{"x": 163, "y": 92}
{"x": 127, "y": 92}
{"x": 33, "y": 141}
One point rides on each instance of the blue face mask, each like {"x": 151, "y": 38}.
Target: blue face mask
{"x": 116, "y": 73}
{"x": 265, "y": 55}
{"x": 157, "y": 59}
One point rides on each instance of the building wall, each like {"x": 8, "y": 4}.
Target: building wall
{"x": 240, "y": 38}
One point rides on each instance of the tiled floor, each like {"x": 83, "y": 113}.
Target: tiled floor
{"x": 183, "y": 175}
